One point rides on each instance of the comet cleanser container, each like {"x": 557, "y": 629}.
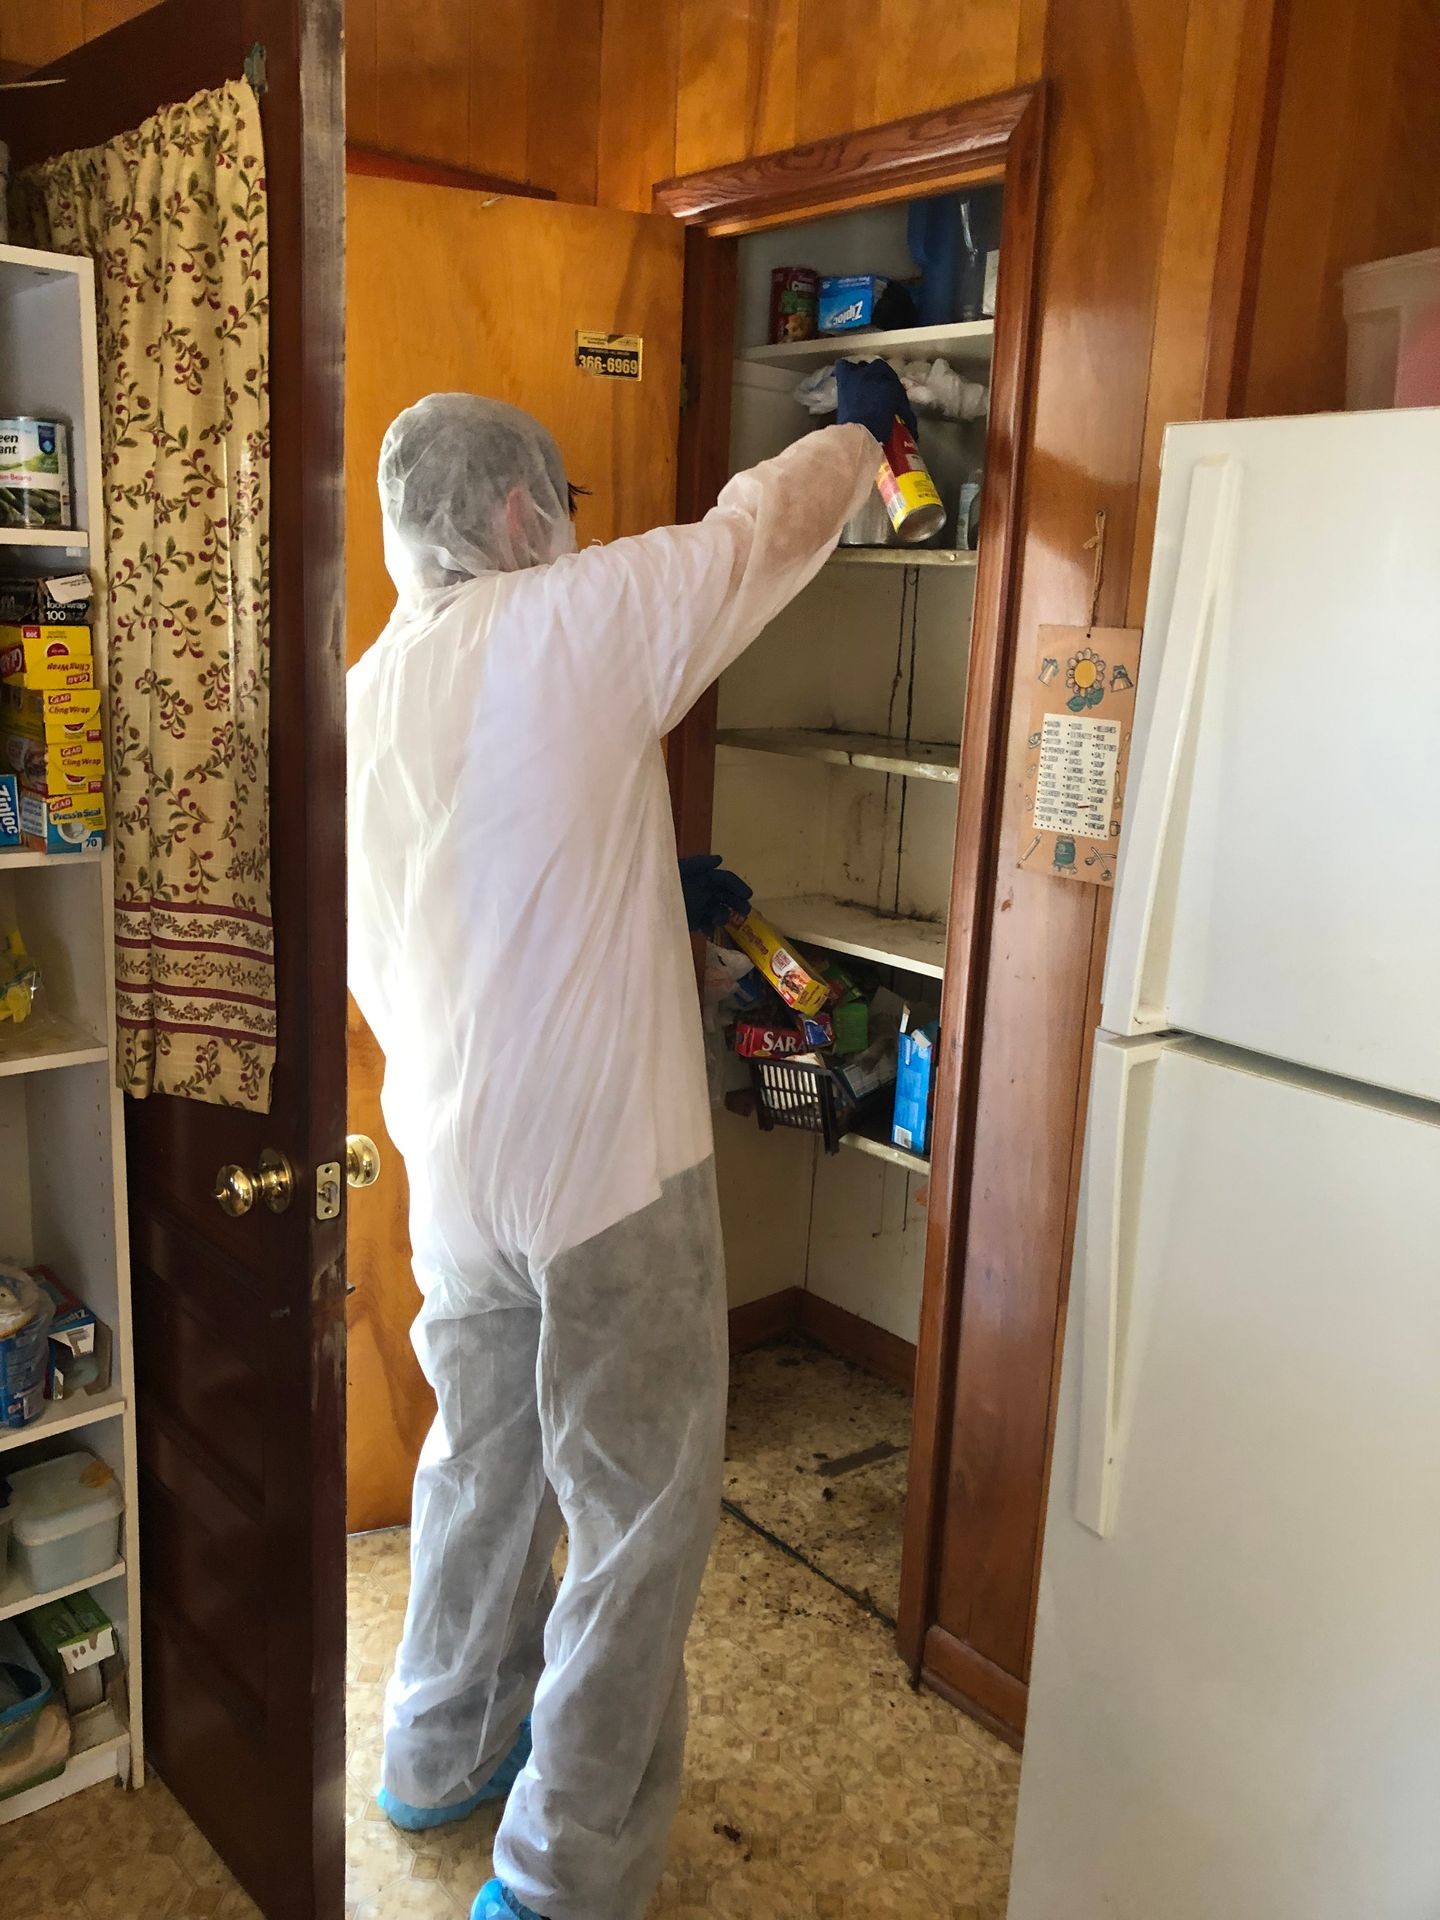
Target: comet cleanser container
{"x": 34, "y": 472}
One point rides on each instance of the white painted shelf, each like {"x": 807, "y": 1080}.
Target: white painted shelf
{"x": 12, "y": 859}
{"x": 873, "y": 1137}
{"x": 104, "y": 1756}
{"x": 62, "y": 1044}
{"x": 952, "y": 559}
{"x": 872, "y": 752}
{"x": 65, "y": 1416}
{"x": 817, "y": 920}
{"x": 961, "y": 342}
{"x": 73, "y": 539}
{"x": 16, "y": 1597}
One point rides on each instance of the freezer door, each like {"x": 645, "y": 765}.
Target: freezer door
{"x": 1235, "y": 1695}
{"x": 1279, "y": 884}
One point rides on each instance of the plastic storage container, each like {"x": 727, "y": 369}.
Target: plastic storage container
{"x": 66, "y": 1521}
{"x": 1392, "y": 312}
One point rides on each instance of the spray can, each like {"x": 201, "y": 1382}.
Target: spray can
{"x": 911, "y": 500}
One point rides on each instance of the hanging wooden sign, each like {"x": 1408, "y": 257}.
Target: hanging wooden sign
{"x": 1082, "y": 713}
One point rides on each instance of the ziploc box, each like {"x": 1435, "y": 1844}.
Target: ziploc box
{"x": 9, "y": 810}
{"x": 911, "y": 1126}
{"x": 800, "y": 989}
{"x": 70, "y": 823}
{"x": 848, "y": 301}
{"x": 47, "y": 656}
{"x": 60, "y": 600}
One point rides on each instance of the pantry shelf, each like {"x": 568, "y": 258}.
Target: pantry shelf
{"x": 12, "y": 859}
{"x": 63, "y": 1044}
{"x": 872, "y": 752}
{"x": 65, "y": 1416}
{"x": 951, "y": 558}
{"x": 961, "y": 342}
{"x": 17, "y": 1597}
{"x": 873, "y": 1137}
{"x": 105, "y": 1755}
{"x": 71, "y": 538}
{"x": 818, "y": 920}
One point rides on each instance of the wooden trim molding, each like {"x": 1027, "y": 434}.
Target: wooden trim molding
{"x": 845, "y": 1334}
{"x": 861, "y": 1342}
{"x": 761, "y": 1320}
{"x": 977, "y": 830}
{"x": 900, "y": 158}
{"x": 379, "y": 163}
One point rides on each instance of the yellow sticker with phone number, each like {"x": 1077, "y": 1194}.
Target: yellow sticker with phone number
{"x": 616, "y": 356}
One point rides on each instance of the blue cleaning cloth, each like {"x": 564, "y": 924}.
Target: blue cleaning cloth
{"x": 424, "y": 1819}
{"x": 494, "y": 1902}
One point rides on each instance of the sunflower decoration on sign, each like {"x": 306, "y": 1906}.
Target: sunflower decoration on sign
{"x": 1085, "y": 677}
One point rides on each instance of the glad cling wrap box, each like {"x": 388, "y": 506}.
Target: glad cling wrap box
{"x": 51, "y": 714}
{"x": 58, "y": 766}
{"x": 47, "y": 656}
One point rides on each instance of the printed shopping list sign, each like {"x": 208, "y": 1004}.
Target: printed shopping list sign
{"x": 1075, "y": 780}
{"x": 1081, "y": 717}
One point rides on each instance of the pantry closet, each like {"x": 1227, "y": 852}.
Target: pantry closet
{"x": 848, "y": 765}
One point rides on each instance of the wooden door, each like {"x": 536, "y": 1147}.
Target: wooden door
{"x": 239, "y": 1323}
{"x": 454, "y": 289}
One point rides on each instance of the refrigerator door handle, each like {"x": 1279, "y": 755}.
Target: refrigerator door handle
{"x": 1105, "y": 1293}
{"x": 1134, "y": 1002}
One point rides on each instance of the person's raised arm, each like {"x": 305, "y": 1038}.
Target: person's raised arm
{"x": 694, "y": 597}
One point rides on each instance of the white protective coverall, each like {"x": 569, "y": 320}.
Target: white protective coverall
{"x": 519, "y": 948}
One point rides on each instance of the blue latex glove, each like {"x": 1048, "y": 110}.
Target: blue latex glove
{"x": 711, "y": 892}
{"x": 871, "y": 394}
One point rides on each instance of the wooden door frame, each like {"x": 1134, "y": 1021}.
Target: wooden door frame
{"x": 997, "y": 139}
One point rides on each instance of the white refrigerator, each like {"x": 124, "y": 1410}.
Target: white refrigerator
{"x": 1235, "y": 1695}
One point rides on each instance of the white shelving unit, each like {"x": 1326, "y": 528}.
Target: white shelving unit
{"x": 964, "y": 343}
{"x": 62, "y": 1137}
{"x": 878, "y": 1147}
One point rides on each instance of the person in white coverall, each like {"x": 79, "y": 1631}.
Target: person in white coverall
{"x": 519, "y": 948}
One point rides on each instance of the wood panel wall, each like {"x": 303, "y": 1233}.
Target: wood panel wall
{"x": 1356, "y": 177}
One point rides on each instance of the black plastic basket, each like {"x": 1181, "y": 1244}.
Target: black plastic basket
{"x": 796, "y": 1093}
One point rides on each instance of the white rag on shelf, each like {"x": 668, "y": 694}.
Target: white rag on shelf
{"x": 934, "y": 387}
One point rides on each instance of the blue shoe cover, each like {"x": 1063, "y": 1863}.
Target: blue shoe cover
{"x": 425, "y": 1819}
{"x": 494, "y": 1902}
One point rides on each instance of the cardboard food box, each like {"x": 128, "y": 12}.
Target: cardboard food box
{"x": 9, "y": 810}
{"x": 36, "y": 656}
{"x": 796, "y": 985}
{"x": 913, "y": 1082}
{"x": 68, "y": 823}
{"x": 54, "y": 713}
{"x": 60, "y": 600}
{"x": 72, "y": 1639}
{"x": 81, "y": 1347}
{"x": 769, "y": 1040}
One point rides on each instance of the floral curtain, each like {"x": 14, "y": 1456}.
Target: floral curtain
{"x": 174, "y": 216}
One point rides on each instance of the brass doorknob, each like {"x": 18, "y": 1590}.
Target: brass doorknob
{"x": 362, "y": 1161}
{"x": 237, "y": 1189}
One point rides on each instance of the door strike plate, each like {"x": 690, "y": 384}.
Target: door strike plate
{"x": 329, "y": 1186}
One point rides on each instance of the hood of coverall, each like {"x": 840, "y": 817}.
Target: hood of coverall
{"x": 469, "y": 486}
